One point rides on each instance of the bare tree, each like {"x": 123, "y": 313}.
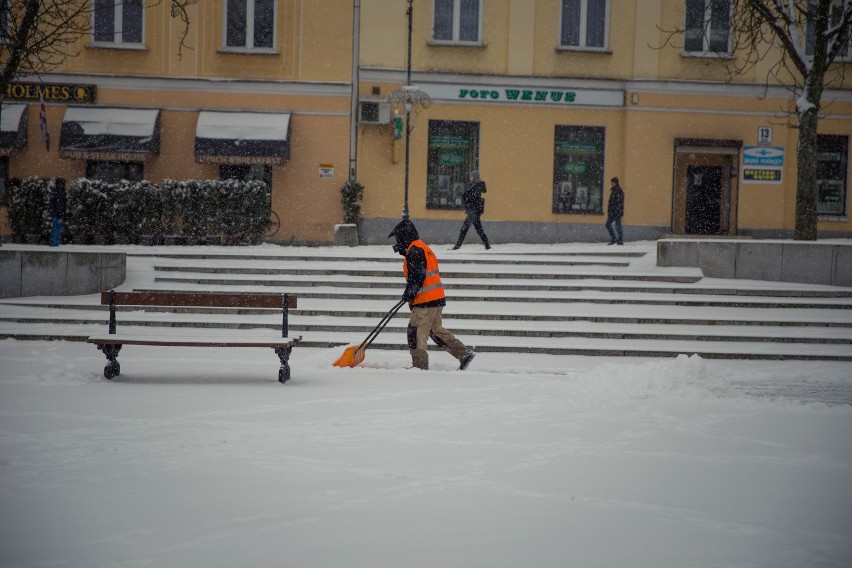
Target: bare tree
{"x": 804, "y": 43}
{"x": 37, "y": 36}
{"x": 811, "y": 36}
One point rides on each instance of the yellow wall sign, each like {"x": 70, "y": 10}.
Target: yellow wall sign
{"x": 326, "y": 171}
{"x": 762, "y": 175}
{"x": 52, "y": 92}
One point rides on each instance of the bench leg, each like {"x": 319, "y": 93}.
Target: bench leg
{"x": 284, "y": 356}
{"x": 112, "y": 369}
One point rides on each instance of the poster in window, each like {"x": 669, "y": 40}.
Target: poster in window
{"x": 453, "y": 153}
{"x": 578, "y": 169}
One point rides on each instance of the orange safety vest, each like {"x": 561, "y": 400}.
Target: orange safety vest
{"x": 432, "y": 288}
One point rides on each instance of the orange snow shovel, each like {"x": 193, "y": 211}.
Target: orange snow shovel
{"x": 352, "y": 355}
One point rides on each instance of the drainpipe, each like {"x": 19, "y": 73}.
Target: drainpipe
{"x": 353, "y": 108}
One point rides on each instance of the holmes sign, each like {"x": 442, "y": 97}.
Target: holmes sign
{"x": 52, "y": 92}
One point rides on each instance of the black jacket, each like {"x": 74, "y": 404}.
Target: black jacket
{"x": 615, "y": 205}
{"x": 472, "y": 198}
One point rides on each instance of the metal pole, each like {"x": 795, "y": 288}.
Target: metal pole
{"x": 353, "y": 106}
{"x": 407, "y": 113}
{"x": 407, "y": 141}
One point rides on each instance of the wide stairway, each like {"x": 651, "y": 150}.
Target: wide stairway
{"x": 563, "y": 300}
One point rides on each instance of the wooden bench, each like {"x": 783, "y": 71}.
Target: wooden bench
{"x": 110, "y": 344}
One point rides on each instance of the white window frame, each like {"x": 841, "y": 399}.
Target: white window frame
{"x": 584, "y": 20}
{"x": 457, "y": 26}
{"x": 705, "y": 35}
{"x": 808, "y": 52}
{"x": 117, "y": 27}
{"x": 249, "y": 47}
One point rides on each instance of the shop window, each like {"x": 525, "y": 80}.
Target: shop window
{"x": 835, "y": 17}
{"x": 457, "y": 21}
{"x": 250, "y": 24}
{"x": 453, "y": 153}
{"x": 246, "y": 172}
{"x": 114, "y": 172}
{"x": 584, "y": 23}
{"x": 118, "y": 21}
{"x": 578, "y": 169}
{"x": 708, "y": 27}
{"x": 4, "y": 179}
{"x": 832, "y": 168}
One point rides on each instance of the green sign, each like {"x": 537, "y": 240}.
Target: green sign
{"x": 575, "y": 168}
{"x": 575, "y": 147}
{"x": 451, "y": 159}
{"x": 449, "y": 141}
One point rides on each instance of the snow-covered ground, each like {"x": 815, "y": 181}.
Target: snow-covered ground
{"x": 200, "y": 458}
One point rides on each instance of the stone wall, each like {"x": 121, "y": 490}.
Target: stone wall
{"x": 810, "y": 262}
{"x": 59, "y": 273}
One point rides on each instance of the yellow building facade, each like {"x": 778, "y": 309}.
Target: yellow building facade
{"x": 552, "y": 112}
{"x": 547, "y": 99}
{"x": 273, "y": 102}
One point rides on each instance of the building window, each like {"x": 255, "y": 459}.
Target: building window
{"x": 119, "y": 21}
{"x": 832, "y": 168}
{"x": 708, "y": 27}
{"x": 453, "y": 153}
{"x": 584, "y": 24}
{"x": 114, "y": 171}
{"x": 457, "y": 21}
{"x": 578, "y": 169}
{"x": 247, "y": 172}
{"x": 250, "y": 24}
{"x": 835, "y": 17}
{"x": 4, "y": 21}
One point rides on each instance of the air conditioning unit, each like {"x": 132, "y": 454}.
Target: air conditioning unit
{"x": 373, "y": 111}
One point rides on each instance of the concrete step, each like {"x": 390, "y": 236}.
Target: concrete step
{"x": 583, "y": 302}
{"x": 394, "y": 281}
{"x": 520, "y": 295}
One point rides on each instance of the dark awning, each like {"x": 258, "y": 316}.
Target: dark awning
{"x": 242, "y": 137}
{"x": 102, "y": 133}
{"x": 13, "y": 128}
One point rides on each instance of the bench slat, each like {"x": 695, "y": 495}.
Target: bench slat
{"x": 199, "y": 299}
{"x": 191, "y": 341}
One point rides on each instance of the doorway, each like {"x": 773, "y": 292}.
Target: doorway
{"x": 703, "y": 200}
{"x": 705, "y": 192}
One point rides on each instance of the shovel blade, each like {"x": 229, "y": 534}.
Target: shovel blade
{"x": 352, "y": 356}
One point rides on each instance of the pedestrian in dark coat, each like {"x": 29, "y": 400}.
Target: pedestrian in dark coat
{"x": 425, "y": 295}
{"x": 474, "y": 207}
{"x": 57, "y": 211}
{"x": 614, "y": 213}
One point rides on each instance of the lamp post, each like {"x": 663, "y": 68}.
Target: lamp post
{"x": 410, "y": 98}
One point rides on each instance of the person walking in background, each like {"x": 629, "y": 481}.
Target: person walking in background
{"x": 424, "y": 293}
{"x": 474, "y": 207}
{"x": 57, "y": 211}
{"x": 614, "y": 213}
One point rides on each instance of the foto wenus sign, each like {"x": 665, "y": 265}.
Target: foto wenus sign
{"x": 52, "y": 92}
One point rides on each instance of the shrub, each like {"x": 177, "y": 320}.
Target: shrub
{"x": 29, "y": 207}
{"x": 352, "y": 193}
{"x": 91, "y": 207}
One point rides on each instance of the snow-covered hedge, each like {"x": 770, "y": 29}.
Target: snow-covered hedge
{"x": 126, "y": 211}
{"x": 232, "y": 208}
{"x": 29, "y": 207}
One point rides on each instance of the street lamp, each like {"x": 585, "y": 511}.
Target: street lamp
{"x": 409, "y": 98}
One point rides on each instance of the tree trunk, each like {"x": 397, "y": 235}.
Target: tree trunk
{"x": 806, "y": 194}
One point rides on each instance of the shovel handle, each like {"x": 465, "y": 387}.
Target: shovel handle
{"x": 384, "y": 321}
